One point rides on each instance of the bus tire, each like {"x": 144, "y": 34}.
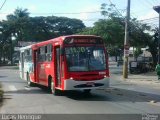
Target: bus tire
{"x": 54, "y": 91}
{"x": 87, "y": 91}
{"x": 28, "y": 80}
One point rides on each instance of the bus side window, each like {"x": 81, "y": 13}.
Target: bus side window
{"x": 45, "y": 53}
{"x": 28, "y": 55}
{"x": 49, "y": 53}
{"x": 41, "y": 54}
{"x": 25, "y": 56}
{"x": 38, "y": 55}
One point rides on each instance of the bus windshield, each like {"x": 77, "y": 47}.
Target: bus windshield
{"x": 82, "y": 58}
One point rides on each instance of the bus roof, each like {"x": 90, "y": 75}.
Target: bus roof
{"x": 80, "y": 36}
{"x": 83, "y": 36}
{"x": 26, "y": 47}
{"x": 61, "y": 38}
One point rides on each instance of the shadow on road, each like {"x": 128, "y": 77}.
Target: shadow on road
{"x": 80, "y": 95}
{"x": 3, "y": 76}
{"x": 113, "y": 95}
{"x": 110, "y": 95}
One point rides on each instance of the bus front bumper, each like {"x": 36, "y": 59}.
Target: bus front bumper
{"x": 71, "y": 84}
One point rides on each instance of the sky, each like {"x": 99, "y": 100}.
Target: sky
{"x": 86, "y": 10}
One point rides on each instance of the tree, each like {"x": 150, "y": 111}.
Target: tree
{"x": 25, "y": 28}
{"x": 137, "y": 52}
{"x": 5, "y": 42}
{"x": 18, "y": 23}
{"x": 111, "y": 29}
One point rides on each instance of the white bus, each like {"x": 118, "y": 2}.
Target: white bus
{"x": 25, "y": 63}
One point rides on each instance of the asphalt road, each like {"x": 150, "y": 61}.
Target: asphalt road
{"x": 19, "y": 98}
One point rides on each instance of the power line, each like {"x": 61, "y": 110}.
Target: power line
{"x": 146, "y": 3}
{"x": 142, "y": 10}
{"x": 149, "y": 19}
{"x": 149, "y": 2}
{"x": 133, "y": 24}
{"x": 89, "y": 12}
{"x": 3, "y": 4}
{"x": 71, "y": 13}
{"x": 115, "y": 7}
{"x": 155, "y": 1}
{"x": 153, "y": 21}
{"x": 52, "y": 13}
{"x": 154, "y": 18}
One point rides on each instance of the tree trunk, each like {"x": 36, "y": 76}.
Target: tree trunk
{"x": 4, "y": 60}
{"x": 153, "y": 51}
{"x": 11, "y": 54}
{"x": 134, "y": 54}
{"x": 116, "y": 57}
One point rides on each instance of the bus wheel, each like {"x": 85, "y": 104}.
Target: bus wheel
{"x": 87, "y": 91}
{"x": 28, "y": 80}
{"x": 54, "y": 91}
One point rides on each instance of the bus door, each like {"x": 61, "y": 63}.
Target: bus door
{"x": 57, "y": 67}
{"x": 22, "y": 64}
{"x": 35, "y": 57}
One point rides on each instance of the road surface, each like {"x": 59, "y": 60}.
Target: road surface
{"x": 19, "y": 98}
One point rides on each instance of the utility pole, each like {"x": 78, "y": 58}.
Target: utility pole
{"x": 126, "y": 43}
{"x": 157, "y": 9}
{"x": 11, "y": 55}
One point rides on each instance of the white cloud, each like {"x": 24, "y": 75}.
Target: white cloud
{"x": 32, "y": 8}
{"x": 85, "y": 16}
{"x": 4, "y": 14}
{"x": 90, "y": 18}
{"x": 148, "y": 15}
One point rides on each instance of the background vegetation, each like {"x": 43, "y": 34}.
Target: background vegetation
{"x": 22, "y": 27}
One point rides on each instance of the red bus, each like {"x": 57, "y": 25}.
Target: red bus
{"x": 74, "y": 62}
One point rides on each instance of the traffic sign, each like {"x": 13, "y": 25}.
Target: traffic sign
{"x": 126, "y": 47}
{"x": 126, "y": 52}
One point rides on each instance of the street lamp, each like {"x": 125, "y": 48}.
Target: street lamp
{"x": 157, "y": 9}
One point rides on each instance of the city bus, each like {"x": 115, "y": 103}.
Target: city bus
{"x": 73, "y": 62}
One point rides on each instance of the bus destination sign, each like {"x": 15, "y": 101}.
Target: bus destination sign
{"x": 83, "y": 41}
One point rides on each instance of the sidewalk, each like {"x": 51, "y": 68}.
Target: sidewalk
{"x": 145, "y": 82}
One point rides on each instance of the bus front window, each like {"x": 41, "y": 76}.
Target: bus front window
{"x": 85, "y": 58}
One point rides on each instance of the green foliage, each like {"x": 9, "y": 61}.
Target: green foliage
{"x": 137, "y": 52}
{"x": 25, "y": 28}
{"x": 112, "y": 28}
{"x": 111, "y": 31}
